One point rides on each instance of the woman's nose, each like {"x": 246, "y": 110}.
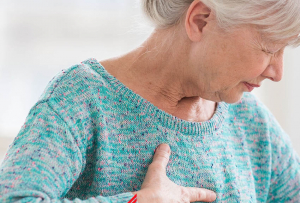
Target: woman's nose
{"x": 274, "y": 71}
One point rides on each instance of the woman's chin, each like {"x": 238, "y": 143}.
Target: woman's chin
{"x": 231, "y": 99}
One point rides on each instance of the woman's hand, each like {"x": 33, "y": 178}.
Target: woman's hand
{"x": 158, "y": 188}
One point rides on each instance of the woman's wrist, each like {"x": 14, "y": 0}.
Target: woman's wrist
{"x": 139, "y": 197}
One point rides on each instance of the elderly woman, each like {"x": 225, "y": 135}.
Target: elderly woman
{"x": 92, "y": 135}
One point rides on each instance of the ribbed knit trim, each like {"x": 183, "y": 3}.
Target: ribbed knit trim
{"x": 158, "y": 115}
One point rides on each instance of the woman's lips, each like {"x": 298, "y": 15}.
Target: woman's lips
{"x": 250, "y": 86}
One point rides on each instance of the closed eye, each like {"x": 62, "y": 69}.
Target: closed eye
{"x": 268, "y": 52}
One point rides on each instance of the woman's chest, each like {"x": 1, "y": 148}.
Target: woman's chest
{"x": 122, "y": 168}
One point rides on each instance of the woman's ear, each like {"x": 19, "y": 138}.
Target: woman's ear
{"x": 196, "y": 20}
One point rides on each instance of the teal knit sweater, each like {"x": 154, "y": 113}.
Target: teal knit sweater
{"x": 91, "y": 139}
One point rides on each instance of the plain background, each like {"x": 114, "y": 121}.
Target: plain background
{"x": 40, "y": 38}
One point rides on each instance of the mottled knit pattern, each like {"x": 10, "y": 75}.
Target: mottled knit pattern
{"x": 91, "y": 139}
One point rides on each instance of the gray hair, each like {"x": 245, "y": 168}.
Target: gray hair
{"x": 276, "y": 19}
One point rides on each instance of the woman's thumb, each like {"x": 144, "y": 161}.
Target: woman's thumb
{"x": 161, "y": 156}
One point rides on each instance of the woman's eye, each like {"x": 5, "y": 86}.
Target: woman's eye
{"x": 268, "y": 52}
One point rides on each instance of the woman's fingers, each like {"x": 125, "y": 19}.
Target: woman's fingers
{"x": 200, "y": 194}
{"x": 157, "y": 187}
{"x": 161, "y": 156}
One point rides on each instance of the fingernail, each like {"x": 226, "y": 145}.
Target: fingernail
{"x": 212, "y": 195}
{"x": 164, "y": 147}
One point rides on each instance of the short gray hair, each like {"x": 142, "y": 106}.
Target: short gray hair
{"x": 277, "y": 19}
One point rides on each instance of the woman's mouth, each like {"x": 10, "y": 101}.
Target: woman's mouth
{"x": 250, "y": 86}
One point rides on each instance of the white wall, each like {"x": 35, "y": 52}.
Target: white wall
{"x": 40, "y": 38}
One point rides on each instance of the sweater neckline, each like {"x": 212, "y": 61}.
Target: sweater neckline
{"x": 158, "y": 115}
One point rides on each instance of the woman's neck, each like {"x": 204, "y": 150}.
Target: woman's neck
{"x": 156, "y": 71}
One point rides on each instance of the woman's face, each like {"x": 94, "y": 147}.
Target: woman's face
{"x": 234, "y": 61}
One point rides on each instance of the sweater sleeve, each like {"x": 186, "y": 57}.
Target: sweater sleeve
{"x": 285, "y": 174}
{"x": 44, "y": 161}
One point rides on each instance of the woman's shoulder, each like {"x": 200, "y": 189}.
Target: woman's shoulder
{"x": 75, "y": 80}
{"x": 258, "y": 122}
{"x": 250, "y": 106}
{"x": 251, "y": 115}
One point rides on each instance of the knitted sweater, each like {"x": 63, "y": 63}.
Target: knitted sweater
{"x": 91, "y": 139}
